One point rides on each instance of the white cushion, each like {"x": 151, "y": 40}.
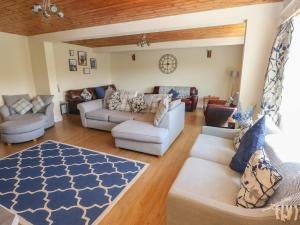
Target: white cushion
{"x": 201, "y": 178}
{"x": 119, "y": 117}
{"x": 215, "y": 149}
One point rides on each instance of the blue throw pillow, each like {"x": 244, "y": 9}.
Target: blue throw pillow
{"x": 252, "y": 140}
{"x": 174, "y": 93}
{"x": 100, "y": 92}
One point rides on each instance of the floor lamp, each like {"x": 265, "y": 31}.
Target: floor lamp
{"x": 233, "y": 75}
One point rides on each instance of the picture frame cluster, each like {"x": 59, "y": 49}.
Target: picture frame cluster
{"x": 82, "y": 59}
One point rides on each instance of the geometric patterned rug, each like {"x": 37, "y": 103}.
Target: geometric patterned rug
{"x": 60, "y": 184}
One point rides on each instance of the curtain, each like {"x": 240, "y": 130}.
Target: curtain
{"x": 272, "y": 93}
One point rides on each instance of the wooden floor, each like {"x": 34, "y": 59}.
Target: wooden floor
{"x": 144, "y": 203}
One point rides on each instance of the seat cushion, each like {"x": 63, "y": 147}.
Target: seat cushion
{"x": 215, "y": 149}
{"x": 101, "y": 115}
{"x": 119, "y": 117}
{"x": 140, "y": 131}
{"x": 22, "y": 126}
{"x": 26, "y": 117}
{"x": 200, "y": 179}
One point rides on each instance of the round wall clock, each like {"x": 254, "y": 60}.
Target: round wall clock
{"x": 167, "y": 63}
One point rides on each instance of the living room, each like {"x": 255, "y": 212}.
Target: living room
{"x": 111, "y": 112}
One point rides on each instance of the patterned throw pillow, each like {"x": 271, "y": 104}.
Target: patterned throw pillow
{"x": 125, "y": 97}
{"x": 114, "y": 101}
{"x": 137, "y": 104}
{"x": 109, "y": 91}
{"x": 258, "y": 183}
{"x": 86, "y": 95}
{"x": 156, "y": 98}
{"x": 37, "y": 104}
{"x": 243, "y": 129}
{"x": 22, "y": 106}
{"x": 161, "y": 111}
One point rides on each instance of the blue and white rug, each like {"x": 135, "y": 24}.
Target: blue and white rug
{"x": 59, "y": 184}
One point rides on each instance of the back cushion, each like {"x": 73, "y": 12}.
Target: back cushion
{"x": 184, "y": 92}
{"x": 9, "y": 100}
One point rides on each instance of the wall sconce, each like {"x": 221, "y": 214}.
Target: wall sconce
{"x": 133, "y": 57}
{"x": 208, "y": 53}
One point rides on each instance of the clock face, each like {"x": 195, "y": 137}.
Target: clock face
{"x": 167, "y": 63}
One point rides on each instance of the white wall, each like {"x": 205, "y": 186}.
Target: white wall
{"x": 15, "y": 66}
{"x": 210, "y": 76}
{"x": 68, "y": 80}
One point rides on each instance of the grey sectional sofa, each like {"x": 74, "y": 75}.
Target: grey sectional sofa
{"x": 135, "y": 131}
{"x": 206, "y": 188}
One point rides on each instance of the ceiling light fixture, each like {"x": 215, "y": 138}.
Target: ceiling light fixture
{"x": 143, "y": 42}
{"x": 47, "y": 8}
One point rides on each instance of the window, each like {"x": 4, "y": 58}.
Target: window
{"x": 290, "y": 109}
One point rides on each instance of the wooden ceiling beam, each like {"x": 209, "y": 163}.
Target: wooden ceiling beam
{"x": 235, "y": 30}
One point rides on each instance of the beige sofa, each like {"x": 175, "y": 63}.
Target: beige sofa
{"x": 206, "y": 188}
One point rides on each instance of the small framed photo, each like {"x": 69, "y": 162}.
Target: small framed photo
{"x": 93, "y": 62}
{"x": 82, "y": 58}
{"x": 71, "y": 52}
{"x": 86, "y": 71}
{"x": 72, "y": 64}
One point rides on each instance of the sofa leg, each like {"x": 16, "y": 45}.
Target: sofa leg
{"x": 34, "y": 140}
{"x": 9, "y": 144}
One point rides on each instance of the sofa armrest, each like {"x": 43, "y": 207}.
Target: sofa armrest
{"x": 220, "y": 132}
{"x": 215, "y": 212}
{"x": 89, "y": 106}
{"x": 50, "y": 114}
{"x": 4, "y": 112}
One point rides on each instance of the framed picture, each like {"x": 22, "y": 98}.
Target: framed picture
{"x": 93, "y": 62}
{"x": 71, "y": 52}
{"x": 82, "y": 58}
{"x": 72, "y": 64}
{"x": 86, "y": 71}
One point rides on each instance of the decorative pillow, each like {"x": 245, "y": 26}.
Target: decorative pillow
{"x": 174, "y": 93}
{"x": 137, "y": 104}
{"x": 161, "y": 111}
{"x": 114, "y": 101}
{"x": 237, "y": 139}
{"x": 22, "y": 106}
{"x": 109, "y": 91}
{"x": 252, "y": 140}
{"x": 156, "y": 100}
{"x": 86, "y": 95}
{"x": 100, "y": 92}
{"x": 37, "y": 104}
{"x": 125, "y": 97}
{"x": 258, "y": 183}
{"x": 9, "y": 100}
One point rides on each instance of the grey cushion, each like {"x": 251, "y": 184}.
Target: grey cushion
{"x": 21, "y": 126}
{"x": 140, "y": 131}
{"x": 26, "y": 117}
{"x": 9, "y": 100}
{"x": 119, "y": 117}
{"x": 213, "y": 148}
{"x": 101, "y": 115}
